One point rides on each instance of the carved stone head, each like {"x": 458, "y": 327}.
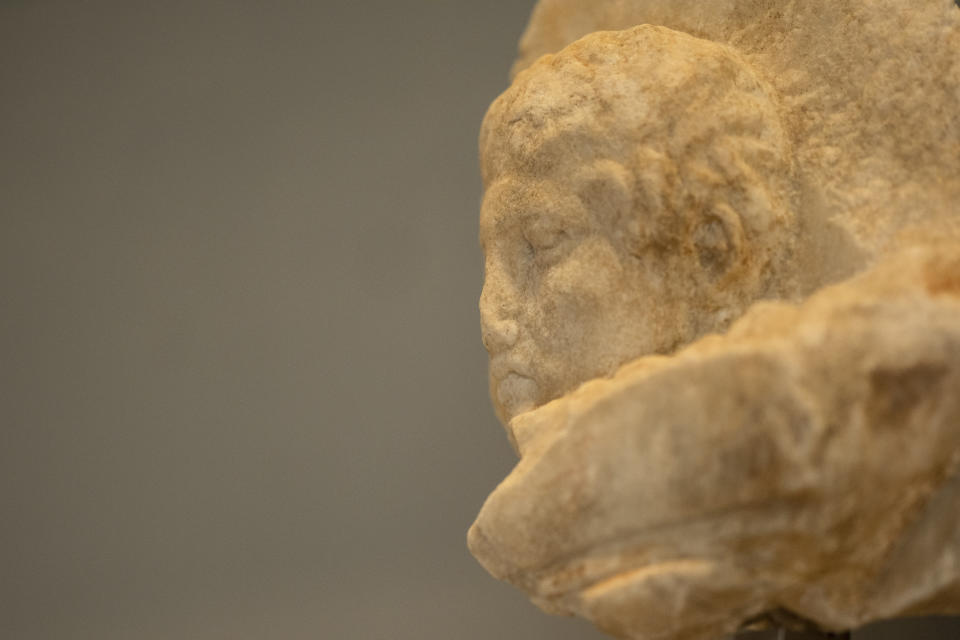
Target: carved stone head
{"x": 638, "y": 195}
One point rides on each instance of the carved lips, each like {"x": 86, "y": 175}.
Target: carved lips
{"x": 514, "y": 391}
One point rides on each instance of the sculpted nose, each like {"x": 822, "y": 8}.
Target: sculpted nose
{"x": 498, "y": 325}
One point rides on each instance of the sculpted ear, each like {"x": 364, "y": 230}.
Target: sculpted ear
{"x": 719, "y": 240}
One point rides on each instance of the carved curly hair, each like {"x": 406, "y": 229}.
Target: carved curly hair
{"x": 692, "y": 123}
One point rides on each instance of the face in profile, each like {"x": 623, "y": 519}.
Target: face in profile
{"x": 564, "y": 299}
{"x": 632, "y": 204}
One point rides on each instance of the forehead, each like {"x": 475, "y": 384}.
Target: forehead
{"x": 514, "y": 204}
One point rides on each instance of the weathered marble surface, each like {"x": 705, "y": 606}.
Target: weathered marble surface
{"x": 722, "y": 305}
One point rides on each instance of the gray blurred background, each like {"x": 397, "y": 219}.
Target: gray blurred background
{"x": 243, "y": 393}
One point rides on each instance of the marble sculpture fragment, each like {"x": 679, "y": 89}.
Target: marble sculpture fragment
{"x": 722, "y": 307}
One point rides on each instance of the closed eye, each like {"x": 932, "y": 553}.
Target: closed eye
{"x": 542, "y": 240}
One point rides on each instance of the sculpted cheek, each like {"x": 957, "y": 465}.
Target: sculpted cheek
{"x": 576, "y": 297}
{"x": 590, "y": 274}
